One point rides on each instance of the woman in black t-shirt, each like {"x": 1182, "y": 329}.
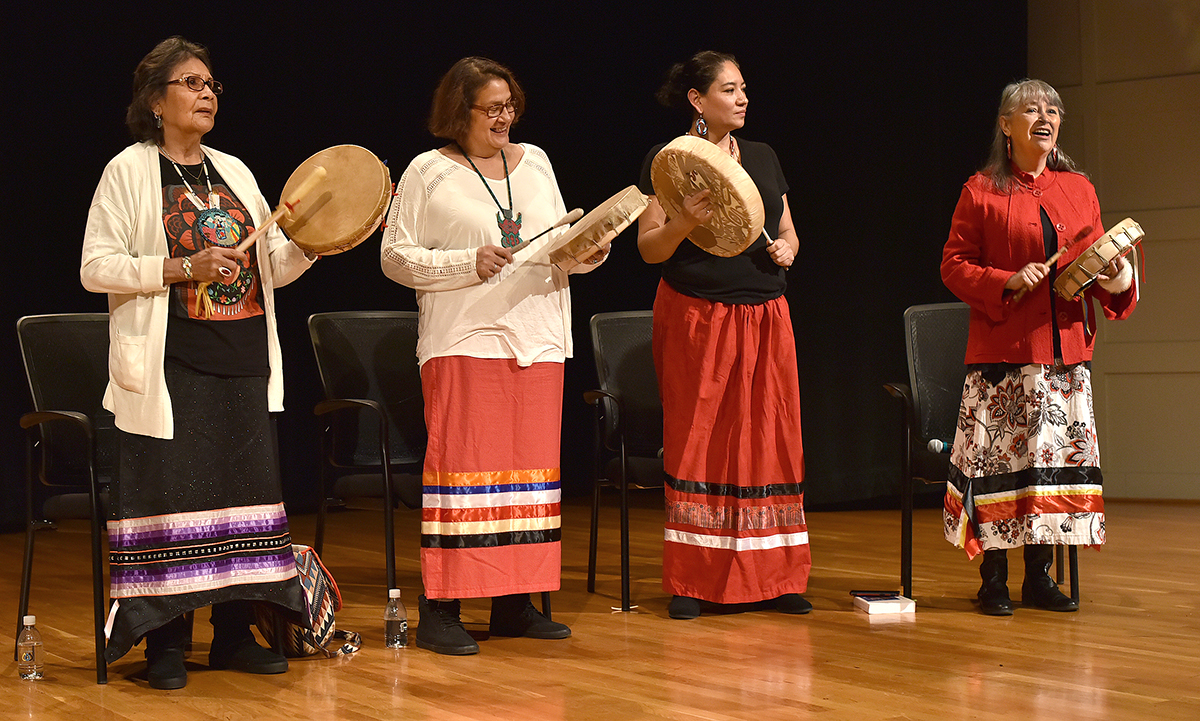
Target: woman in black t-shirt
{"x": 726, "y": 361}
{"x": 196, "y": 514}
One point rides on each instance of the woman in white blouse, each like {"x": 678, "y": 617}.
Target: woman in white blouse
{"x": 495, "y": 329}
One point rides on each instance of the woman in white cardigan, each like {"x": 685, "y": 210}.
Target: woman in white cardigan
{"x": 196, "y": 513}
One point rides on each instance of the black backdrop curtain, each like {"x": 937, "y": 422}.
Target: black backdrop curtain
{"x": 877, "y": 112}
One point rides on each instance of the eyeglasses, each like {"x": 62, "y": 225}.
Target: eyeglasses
{"x": 195, "y": 83}
{"x": 495, "y": 111}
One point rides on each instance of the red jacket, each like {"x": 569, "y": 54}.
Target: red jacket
{"x": 995, "y": 234}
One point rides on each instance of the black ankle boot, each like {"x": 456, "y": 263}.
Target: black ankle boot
{"x": 164, "y": 655}
{"x": 1038, "y": 589}
{"x": 515, "y": 616}
{"x": 993, "y": 594}
{"x": 440, "y": 629}
{"x": 234, "y": 646}
{"x": 683, "y": 607}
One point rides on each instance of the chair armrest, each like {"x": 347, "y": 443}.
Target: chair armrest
{"x": 594, "y": 397}
{"x": 340, "y": 404}
{"x": 36, "y": 418}
{"x": 904, "y": 394}
{"x": 608, "y": 416}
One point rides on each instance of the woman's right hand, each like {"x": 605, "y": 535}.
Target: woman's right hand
{"x": 489, "y": 259}
{"x": 1027, "y": 278}
{"x": 206, "y": 266}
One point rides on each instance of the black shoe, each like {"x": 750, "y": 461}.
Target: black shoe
{"x": 1038, "y": 589}
{"x": 515, "y": 616}
{"x": 246, "y": 656}
{"x": 234, "y": 646}
{"x": 793, "y": 603}
{"x": 683, "y": 607}
{"x": 993, "y": 594}
{"x": 164, "y": 655}
{"x": 440, "y": 630}
{"x": 165, "y": 669}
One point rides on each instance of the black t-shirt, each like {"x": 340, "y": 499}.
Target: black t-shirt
{"x": 751, "y": 276}
{"x": 233, "y": 341}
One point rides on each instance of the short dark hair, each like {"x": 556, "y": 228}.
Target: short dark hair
{"x": 698, "y": 72}
{"x": 450, "y": 116}
{"x": 150, "y": 82}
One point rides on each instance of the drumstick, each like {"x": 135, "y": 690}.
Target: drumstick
{"x": 567, "y": 219}
{"x": 1054, "y": 259}
{"x": 314, "y": 178}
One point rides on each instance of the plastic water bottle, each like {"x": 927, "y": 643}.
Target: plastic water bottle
{"x": 30, "y": 656}
{"x": 395, "y": 621}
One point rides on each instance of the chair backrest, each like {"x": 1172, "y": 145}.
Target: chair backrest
{"x": 622, "y": 346}
{"x": 372, "y": 355}
{"x": 66, "y": 364}
{"x": 936, "y": 338}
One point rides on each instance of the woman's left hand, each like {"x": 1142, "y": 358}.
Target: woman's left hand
{"x": 598, "y": 257}
{"x": 1117, "y": 277}
{"x": 781, "y": 252}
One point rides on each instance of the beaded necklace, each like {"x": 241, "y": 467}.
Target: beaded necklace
{"x": 214, "y": 199}
{"x": 510, "y": 229}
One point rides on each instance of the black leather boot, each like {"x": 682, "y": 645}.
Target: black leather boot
{"x": 993, "y": 594}
{"x": 515, "y": 616}
{"x": 1038, "y": 589}
{"x": 164, "y": 655}
{"x": 234, "y": 645}
{"x": 440, "y": 629}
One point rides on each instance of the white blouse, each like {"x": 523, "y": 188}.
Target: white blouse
{"x": 441, "y": 214}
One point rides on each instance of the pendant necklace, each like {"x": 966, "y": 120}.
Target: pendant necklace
{"x": 214, "y": 199}
{"x": 510, "y": 229}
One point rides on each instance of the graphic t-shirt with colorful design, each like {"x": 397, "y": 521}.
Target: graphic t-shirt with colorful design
{"x": 233, "y": 340}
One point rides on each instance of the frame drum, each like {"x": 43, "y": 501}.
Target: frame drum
{"x": 688, "y": 164}
{"x": 598, "y": 228}
{"x": 345, "y": 208}
{"x": 1082, "y": 272}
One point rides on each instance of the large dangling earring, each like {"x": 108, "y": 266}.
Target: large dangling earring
{"x": 701, "y": 126}
{"x": 1008, "y": 141}
{"x": 1054, "y": 157}
{"x": 157, "y": 120}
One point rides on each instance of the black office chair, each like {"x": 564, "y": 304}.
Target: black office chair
{"x": 373, "y": 410}
{"x": 629, "y": 422}
{"x": 70, "y": 441}
{"x": 935, "y": 336}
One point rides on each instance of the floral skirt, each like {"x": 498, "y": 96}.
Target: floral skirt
{"x": 1025, "y": 466}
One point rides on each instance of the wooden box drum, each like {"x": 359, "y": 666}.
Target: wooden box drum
{"x": 1082, "y": 272}
{"x": 345, "y": 208}
{"x": 688, "y": 164}
{"x": 598, "y": 228}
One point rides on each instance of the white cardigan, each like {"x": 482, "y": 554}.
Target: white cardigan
{"x": 124, "y": 248}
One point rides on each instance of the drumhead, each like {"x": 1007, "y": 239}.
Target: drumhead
{"x": 688, "y": 164}
{"x": 598, "y": 228}
{"x": 1120, "y": 240}
{"x": 345, "y": 208}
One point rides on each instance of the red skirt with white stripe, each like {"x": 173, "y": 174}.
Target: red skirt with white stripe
{"x": 735, "y": 530}
{"x": 490, "y": 524}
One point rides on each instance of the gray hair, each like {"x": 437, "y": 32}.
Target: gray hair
{"x": 1017, "y": 95}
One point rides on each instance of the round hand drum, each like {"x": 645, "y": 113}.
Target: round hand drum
{"x": 598, "y": 228}
{"x": 688, "y": 164}
{"x": 1082, "y": 272}
{"x": 345, "y": 208}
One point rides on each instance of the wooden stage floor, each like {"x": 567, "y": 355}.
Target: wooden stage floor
{"x": 1131, "y": 652}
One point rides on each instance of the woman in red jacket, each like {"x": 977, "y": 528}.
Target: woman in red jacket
{"x": 1025, "y": 467}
